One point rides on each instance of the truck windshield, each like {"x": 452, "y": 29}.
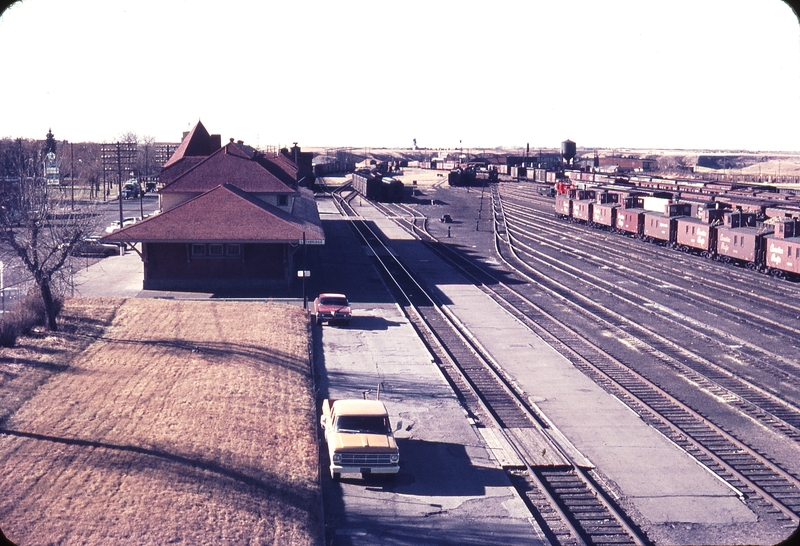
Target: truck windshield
{"x": 364, "y": 424}
{"x": 341, "y": 302}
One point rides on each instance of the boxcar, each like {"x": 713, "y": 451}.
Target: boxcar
{"x": 563, "y": 206}
{"x": 746, "y": 204}
{"x": 582, "y": 210}
{"x": 658, "y": 227}
{"x": 782, "y": 248}
{"x": 368, "y": 185}
{"x": 695, "y": 235}
{"x": 698, "y": 233}
{"x": 630, "y": 221}
{"x": 782, "y": 255}
{"x": 393, "y": 191}
{"x": 605, "y": 214}
{"x": 739, "y": 244}
{"x": 783, "y": 210}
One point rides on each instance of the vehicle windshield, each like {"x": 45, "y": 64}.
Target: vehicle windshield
{"x": 368, "y": 424}
{"x": 342, "y": 302}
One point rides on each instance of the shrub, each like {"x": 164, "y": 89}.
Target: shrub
{"x": 29, "y": 313}
{"x": 9, "y": 330}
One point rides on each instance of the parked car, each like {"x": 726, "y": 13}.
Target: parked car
{"x": 91, "y": 246}
{"x": 125, "y": 222}
{"x": 131, "y": 190}
{"x": 333, "y": 308}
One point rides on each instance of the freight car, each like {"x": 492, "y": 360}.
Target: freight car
{"x": 376, "y": 187}
{"x": 771, "y": 246}
{"x": 782, "y": 248}
{"x": 392, "y": 190}
{"x": 739, "y": 241}
{"x": 698, "y": 234}
{"x": 368, "y": 184}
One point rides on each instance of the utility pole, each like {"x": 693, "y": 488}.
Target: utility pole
{"x": 119, "y": 182}
{"x": 72, "y": 172}
{"x": 305, "y": 250}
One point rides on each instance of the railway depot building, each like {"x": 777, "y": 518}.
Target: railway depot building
{"x": 231, "y": 218}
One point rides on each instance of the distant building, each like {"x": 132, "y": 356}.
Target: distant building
{"x": 231, "y": 218}
{"x": 627, "y": 164}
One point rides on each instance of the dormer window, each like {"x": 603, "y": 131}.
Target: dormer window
{"x": 283, "y": 200}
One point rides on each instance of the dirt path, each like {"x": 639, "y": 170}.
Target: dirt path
{"x": 185, "y": 422}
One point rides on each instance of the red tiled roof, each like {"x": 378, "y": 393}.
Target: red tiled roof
{"x": 196, "y": 143}
{"x": 228, "y": 165}
{"x": 173, "y": 171}
{"x": 223, "y": 214}
{"x": 281, "y": 166}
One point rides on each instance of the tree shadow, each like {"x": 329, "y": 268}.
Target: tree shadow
{"x": 253, "y": 483}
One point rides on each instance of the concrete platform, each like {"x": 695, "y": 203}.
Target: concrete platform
{"x": 115, "y": 276}
{"x": 450, "y": 489}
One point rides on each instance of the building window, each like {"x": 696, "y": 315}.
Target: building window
{"x": 215, "y": 250}
{"x": 198, "y": 250}
{"x": 234, "y": 250}
{"x": 283, "y": 200}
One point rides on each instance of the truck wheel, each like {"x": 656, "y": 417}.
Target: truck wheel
{"x": 336, "y": 476}
{"x": 317, "y": 319}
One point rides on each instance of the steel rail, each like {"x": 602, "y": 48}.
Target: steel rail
{"x": 674, "y": 431}
{"x": 454, "y": 325}
{"x": 786, "y": 510}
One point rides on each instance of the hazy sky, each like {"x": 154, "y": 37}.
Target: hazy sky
{"x": 712, "y": 74}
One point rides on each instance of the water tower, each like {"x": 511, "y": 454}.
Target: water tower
{"x": 568, "y": 151}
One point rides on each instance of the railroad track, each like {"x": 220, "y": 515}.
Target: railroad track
{"x": 740, "y": 281}
{"x": 762, "y": 482}
{"x": 567, "y": 502}
{"x": 704, "y": 364}
{"x": 767, "y": 488}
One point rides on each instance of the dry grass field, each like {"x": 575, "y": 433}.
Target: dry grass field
{"x": 156, "y": 422}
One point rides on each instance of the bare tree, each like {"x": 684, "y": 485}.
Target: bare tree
{"x": 40, "y": 228}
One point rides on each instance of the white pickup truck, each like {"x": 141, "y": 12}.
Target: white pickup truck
{"x": 360, "y": 438}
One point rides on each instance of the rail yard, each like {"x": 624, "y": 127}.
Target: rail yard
{"x": 698, "y": 350}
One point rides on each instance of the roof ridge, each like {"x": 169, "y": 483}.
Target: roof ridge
{"x": 281, "y": 221}
{"x": 193, "y": 167}
{"x": 192, "y": 137}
